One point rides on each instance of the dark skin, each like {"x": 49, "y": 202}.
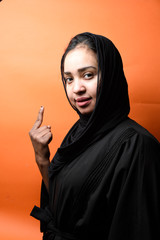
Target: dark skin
{"x": 40, "y": 137}
{"x": 81, "y": 69}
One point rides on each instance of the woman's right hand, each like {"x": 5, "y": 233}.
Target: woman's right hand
{"x": 40, "y": 138}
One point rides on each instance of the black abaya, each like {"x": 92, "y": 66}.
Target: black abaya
{"x": 105, "y": 183}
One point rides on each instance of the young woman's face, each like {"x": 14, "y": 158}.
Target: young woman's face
{"x": 81, "y": 74}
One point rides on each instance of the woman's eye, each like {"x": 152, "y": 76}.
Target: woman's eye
{"x": 68, "y": 80}
{"x": 88, "y": 75}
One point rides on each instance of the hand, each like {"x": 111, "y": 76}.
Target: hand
{"x": 41, "y": 137}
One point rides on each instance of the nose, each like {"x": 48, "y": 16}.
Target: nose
{"x": 78, "y": 86}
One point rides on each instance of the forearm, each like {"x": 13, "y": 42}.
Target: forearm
{"x": 41, "y": 137}
{"x": 43, "y": 165}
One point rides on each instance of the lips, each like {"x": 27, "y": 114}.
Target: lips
{"x": 83, "y": 101}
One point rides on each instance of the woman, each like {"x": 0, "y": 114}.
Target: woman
{"x": 104, "y": 180}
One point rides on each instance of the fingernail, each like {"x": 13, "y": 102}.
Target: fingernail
{"x": 41, "y": 109}
{"x": 49, "y": 126}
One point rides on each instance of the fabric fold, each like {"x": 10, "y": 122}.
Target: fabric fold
{"x": 51, "y": 231}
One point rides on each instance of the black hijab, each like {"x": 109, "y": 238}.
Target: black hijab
{"x": 112, "y": 105}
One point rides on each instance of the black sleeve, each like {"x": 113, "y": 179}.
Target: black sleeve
{"x": 134, "y": 197}
{"x": 44, "y": 201}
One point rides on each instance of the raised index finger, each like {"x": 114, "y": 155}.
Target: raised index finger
{"x": 39, "y": 120}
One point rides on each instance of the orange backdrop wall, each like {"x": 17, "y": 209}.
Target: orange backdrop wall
{"x": 33, "y": 36}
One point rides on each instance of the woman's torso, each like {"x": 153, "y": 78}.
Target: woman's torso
{"x": 87, "y": 193}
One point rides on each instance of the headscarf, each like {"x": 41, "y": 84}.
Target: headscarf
{"x": 112, "y": 105}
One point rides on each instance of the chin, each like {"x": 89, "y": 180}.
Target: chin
{"x": 85, "y": 112}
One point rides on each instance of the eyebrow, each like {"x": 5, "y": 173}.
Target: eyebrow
{"x": 81, "y": 70}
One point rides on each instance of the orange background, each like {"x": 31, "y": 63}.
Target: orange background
{"x": 33, "y": 36}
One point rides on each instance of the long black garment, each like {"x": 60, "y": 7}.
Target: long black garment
{"x": 105, "y": 177}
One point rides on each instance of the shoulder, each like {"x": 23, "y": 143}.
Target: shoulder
{"x": 140, "y": 147}
{"x": 135, "y": 155}
{"x": 131, "y": 130}
{"x": 130, "y": 142}
{"x": 128, "y": 138}
{"x": 145, "y": 140}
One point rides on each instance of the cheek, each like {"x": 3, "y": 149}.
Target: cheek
{"x": 69, "y": 93}
{"x": 94, "y": 90}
